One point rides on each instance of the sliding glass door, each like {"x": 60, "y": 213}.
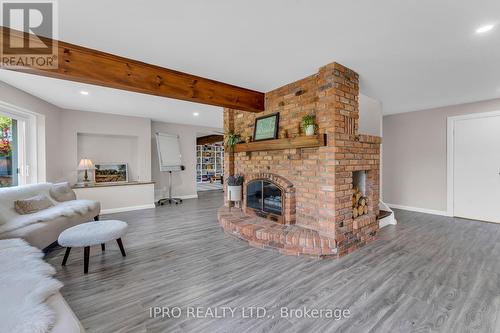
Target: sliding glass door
{"x": 14, "y": 169}
{"x": 9, "y": 152}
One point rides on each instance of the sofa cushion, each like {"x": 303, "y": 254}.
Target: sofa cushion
{"x": 10, "y": 194}
{"x": 62, "y": 192}
{"x": 62, "y": 209}
{"x": 33, "y": 204}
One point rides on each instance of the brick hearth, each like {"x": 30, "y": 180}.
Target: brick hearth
{"x": 287, "y": 239}
{"x": 318, "y": 181}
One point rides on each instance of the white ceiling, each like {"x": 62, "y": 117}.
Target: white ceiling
{"x": 411, "y": 54}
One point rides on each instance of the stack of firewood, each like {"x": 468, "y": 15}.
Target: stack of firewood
{"x": 359, "y": 204}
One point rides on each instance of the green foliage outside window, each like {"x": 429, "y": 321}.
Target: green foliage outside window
{"x": 5, "y": 136}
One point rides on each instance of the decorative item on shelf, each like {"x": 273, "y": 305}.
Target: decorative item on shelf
{"x": 234, "y": 188}
{"x": 85, "y": 165}
{"x": 283, "y": 134}
{"x": 309, "y": 124}
{"x": 266, "y": 127}
{"x": 111, "y": 173}
{"x": 248, "y": 139}
{"x": 232, "y": 139}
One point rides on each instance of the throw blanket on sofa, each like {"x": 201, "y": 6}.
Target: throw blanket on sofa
{"x": 25, "y": 283}
{"x": 66, "y": 209}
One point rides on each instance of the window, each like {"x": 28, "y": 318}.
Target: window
{"x": 8, "y": 152}
{"x": 18, "y": 146}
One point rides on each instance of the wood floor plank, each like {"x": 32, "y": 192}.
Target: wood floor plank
{"x": 426, "y": 274}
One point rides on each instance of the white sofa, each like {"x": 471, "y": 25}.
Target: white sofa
{"x": 42, "y": 228}
{"x": 66, "y": 320}
{"x": 31, "y": 301}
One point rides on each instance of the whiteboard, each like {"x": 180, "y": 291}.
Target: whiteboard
{"x": 169, "y": 152}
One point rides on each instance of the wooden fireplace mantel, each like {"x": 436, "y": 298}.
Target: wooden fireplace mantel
{"x": 279, "y": 144}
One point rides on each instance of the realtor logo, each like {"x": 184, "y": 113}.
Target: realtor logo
{"x": 23, "y": 25}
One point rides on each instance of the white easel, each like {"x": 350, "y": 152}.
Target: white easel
{"x": 170, "y": 159}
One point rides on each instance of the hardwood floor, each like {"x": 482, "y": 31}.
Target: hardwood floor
{"x": 427, "y": 274}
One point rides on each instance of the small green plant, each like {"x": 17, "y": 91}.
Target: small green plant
{"x": 309, "y": 124}
{"x": 232, "y": 139}
{"x": 308, "y": 120}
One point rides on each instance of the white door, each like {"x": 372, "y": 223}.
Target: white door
{"x": 477, "y": 168}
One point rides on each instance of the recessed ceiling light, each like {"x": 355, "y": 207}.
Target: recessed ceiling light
{"x": 196, "y": 114}
{"x": 83, "y": 92}
{"x": 485, "y": 28}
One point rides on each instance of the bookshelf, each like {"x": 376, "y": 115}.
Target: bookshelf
{"x": 209, "y": 163}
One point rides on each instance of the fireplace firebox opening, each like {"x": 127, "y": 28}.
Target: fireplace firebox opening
{"x": 265, "y": 199}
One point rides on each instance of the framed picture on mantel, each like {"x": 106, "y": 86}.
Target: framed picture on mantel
{"x": 111, "y": 173}
{"x": 266, "y": 127}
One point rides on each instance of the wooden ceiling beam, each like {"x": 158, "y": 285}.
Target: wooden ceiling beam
{"x": 81, "y": 64}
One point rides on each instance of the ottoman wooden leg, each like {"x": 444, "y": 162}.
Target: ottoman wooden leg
{"x": 120, "y": 244}
{"x": 86, "y": 254}
{"x": 66, "y": 255}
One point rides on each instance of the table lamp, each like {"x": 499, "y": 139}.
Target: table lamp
{"x": 85, "y": 164}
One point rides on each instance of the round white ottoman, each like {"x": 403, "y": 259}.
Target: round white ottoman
{"x": 92, "y": 233}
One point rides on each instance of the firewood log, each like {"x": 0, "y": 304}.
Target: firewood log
{"x": 354, "y": 212}
{"x": 361, "y": 210}
{"x": 362, "y": 201}
{"x": 358, "y": 195}
{"x": 365, "y": 210}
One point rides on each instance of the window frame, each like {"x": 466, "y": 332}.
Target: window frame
{"x": 27, "y": 142}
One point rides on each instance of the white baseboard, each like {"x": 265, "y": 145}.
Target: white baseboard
{"x": 160, "y": 194}
{"x": 420, "y": 210}
{"x": 190, "y": 196}
{"x": 183, "y": 197}
{"x": 126, "y": 209}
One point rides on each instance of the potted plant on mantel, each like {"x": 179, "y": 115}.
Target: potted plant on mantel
{"x": 232, "y": 139}
{"x": 234, "y": 187}
{"x": 309, "y": 124}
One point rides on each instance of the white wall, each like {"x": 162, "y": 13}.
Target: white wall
{"x": 104, "y": 148}
{"x": 136, "y": 135}
{"x": 370, "y": 116}
{"x": 121, "y": 198}
{"x": 184, "y": 182}
{"x": 414, "y": 155}
{"x": 49, "y": 125}
{"x": 121, "y": 130}
{"x": 63, "y": 149}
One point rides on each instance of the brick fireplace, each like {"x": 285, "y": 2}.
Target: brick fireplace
{"x": 300, "y": 200}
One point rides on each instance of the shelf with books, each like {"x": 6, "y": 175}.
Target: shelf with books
{"x": 209, "y": 163}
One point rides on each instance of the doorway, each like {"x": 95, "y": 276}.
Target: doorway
{"x": 474, "y": 166}
{"x": 209, "y": 161}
